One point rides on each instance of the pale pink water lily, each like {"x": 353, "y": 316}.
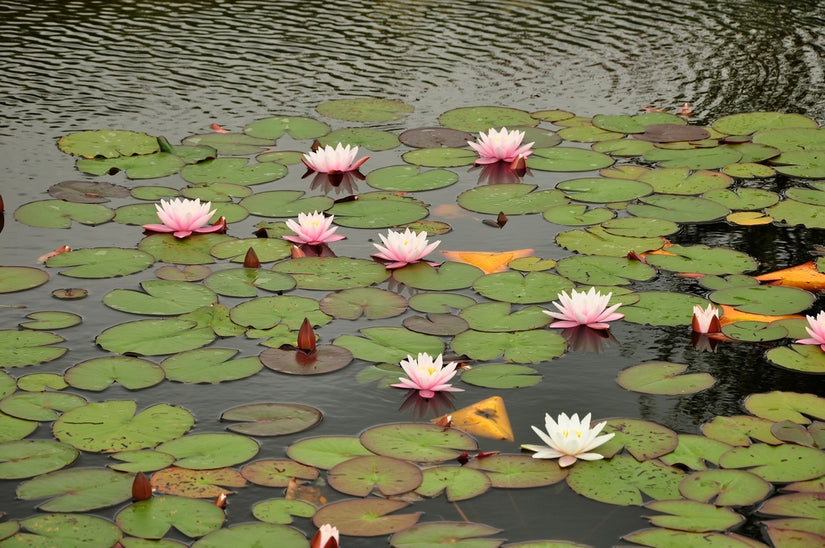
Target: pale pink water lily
{"x": 313, "y": 229}
{"x": 816, "y": 330}
{"x": 569, "y": 439}
{"x": 580, "y": 308}
{"x": 403, "y": 248}
{"x": 182, "y": 217}
{"x": 325, "y": 537}
{"x": 706, "y": 320}
{"x": 503, "y": 145}
{"x": 426, "y": 375}
{"x": 333, "y": 160}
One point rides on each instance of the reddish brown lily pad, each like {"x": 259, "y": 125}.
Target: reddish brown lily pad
{"x": 365, "y": 517}
{"x": 87, "y": 192}
{"x": 198, "y": 484}
{"x": 271, "y": 419}
{"x": 325, "y": 359}
{"x": 360, "y": 476}
{"x": 435, "y": 137}
{"x": 672, "y": 133}
{"x": 277, "y": 472}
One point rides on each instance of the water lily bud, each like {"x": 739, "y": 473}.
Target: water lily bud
{"x": 306, "y": 337}
{"x": 251, "y": 259}
{"x": 2, "y": 205}
{"x": 220, "y": 501}
{"x": 141, "y": 487}
{"x": 325, "y": 537}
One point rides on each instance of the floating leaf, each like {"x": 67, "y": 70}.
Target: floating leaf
{"x": 87, "y": 192}
{"x": 150, "y": 166}
{"x": 324, "y": 359}
{"x": 271, "y": 419}
{"x": 435, "y": 137}
{"x": 267, "y": 250}
{"x": 161, "y": 297}
{"x": 289, "y": 310}
{"x": 643, "y": 439}
{"x": 360, "y": 476}
{"x": 597, "y": 241}
{"x": 622, "y": 479}
{"x": 770, "y": 300}
{"x": 20, "y": 278}
{"x": 477, "y": 119}
{"x": 440, "y": 533}
{"x": 663, "y": 378}
{"x": 333, "y": 273}
{"x": 365, "y": 517}
{"x": 751, "y": 122}
{"x": 577, "y": 215}
{"x": 66, "y": 531}
{"x": 51, "y": 320}
{"x": 107, "y": 143}
{"x": 371, "y": 302}
{"x": 511, "y": 199}
{"x": 155, "y": 337}
{"x": 372, "y": 139}
{"x": 440, "y": 157}
{"x": 99, "y": 373}
{"x": 602, "y": 190}
{"x": 725, "y": 487}
{"x": 781, "y": 463}
{"x": 284, "y": 203}
{"x": 12, "y": 428}
{"x": 28, "y": 458}
{"x": 514, "y": 287}
{"x": 377, "y": 210}
{"x": 688, "y": 515}
{"x": 596, "y": 270}
{"x": 457, "y": 482}
{"x": 40, "y": 406}
{"x": 78, "y": 489}
{"x": 798, "y": 357}
{"x": 210, "y": 365}
{"x": 679, "y": 209}
{"x": 365, "y": 110}
{"x": 60, "y": 214}
{"x": 446, "y": 277}
{"x": 298, "y": 127}
{"x": 101, "y": 262}
{"x": 253, "y": 534}
{"x": 779, "y": 406}
{"x": 693, "y": 451}
{"x": 245, "y": 282}
{"x": 670, "y": 537}
{"x": 742, "y": 198}
{"x": 738, "y": 430}
{"x": 801, "y": 163}
{"x": 208, "y": 451}
{"x": 230, "y": 144}
{"x": 326, "y": 451}
{"x": 417, "y": 442}
{"x": 277, "y": 472}
{"x": 693, "y": 158}
{"x": 281, "y": 511}
{"x": 519, "y": 471}
{"x": 662, "y": 308}
{"x": 154, "y": 517}
{"x": 389, "y": 344}
{"x": 20, "y": 348}
{"x": 201, "y": 484}
{"x": 410, "y": 178}
{"x": 567, "y": 159}
{"x": 536, "y": 345}
{"x": 141, "y": 460}
{"x": 40, "y": 382}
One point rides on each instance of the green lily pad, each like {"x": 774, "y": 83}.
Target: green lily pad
{"x": 210, "y": 451}
{"x": 326, "y": 451}
{"x": 684, "y": 181}
{"x": 266, "y": 312}
{"x": 440, "y": 157}
{"x": 29, "y": 458}
{"x": 21, "y": 348}
{"x": 233, "y": 170}
{"x": 801, "y": 163}
{"x": 622, "y": 480}
{"x": 150, "y": 166}
{"x": 216, "y": 192}
{"x": 365, "y": 517}
{"x": 679, "y": 209}
{"x": 209, "y": 365}
{"x": 662, "y": 308}
{"x": 621, "y": 123}
{"x": 748, "y": 170}
{"x": 511, "y": 199}
{"x": 476, "y": 119}
{"x": 214, "y": 317}
{"x": 277, "y": 472}
{"x": 694, "y": 451}
{"x": 60, "y": 214}
{"x": 66, "y": 531}
{"x": 602, "y": 190}
{"x": 663, "y": 378}
{"x": 502, "y": 376}
{"x": 87, "y": 192}
{"x": 764, "y": 299}
{"x": 567, "y": 159}
{"x": 410, "y": 178}
{"x": 230, "y": 144}
{"x": 324, "y": 359}
{"x": 588, "y": 133}
{"x": 271, "y": 419}
{"x": 267, "y": 249}
{"x": 297, "y": 127}
{"x": 365, "y": 110}
{"x": 439, "y": 302}
{"x": 360, "y": 476}
{"x": 39, "y": 406}
{"x": 790, "y": 139}
{"x": 154, "y": 517}
{"x": 781, "y": 463}
{"x": 417, "y": 442}
{"x": 107, "y": 143}
{"x": 779, "y": 406}
{"x": 155, "y": 337}
{"x": 515, "y": 287}
{"x": 372, "y": 139}
{"x": 596, "y": 270}
{"x": 442, "y": 533}
{"x": 389, "y": 344}
{"x": 12, "y": 428}
{"x": 141, "y": 460}
{"x": 798, "y": 357}
{"x": 101, "y": 262}
{"x": 725, "y": 487}
{"x": 446, "y": 277}
{"x": 755, "y": 331}
{"x": 536, "y": 345}
{"x": 742, "y": 199}
{"x": 793, "y": 212}
{"x": 457, "y": 482}
{"x": 51, "y": 320}
{"x": 253, "y": 534}
{"x": 98, "y": 374}
{"x": 531, "y": 264}
{"x": 245, "y": 282}
{"x": 444, "y": 325}
{"x": 78, "y": 489}
{"x": 622, "y": 147}
{"x": 371, "y": 302}
{"x": 751, "y": 122}
{"x": 281, "y": 511}
{"x": 20, "y": 278}
{"x": 333, "y": 273}
{"x": 284, "y": 203}
{"x": 644, "y": 440}
{"x": 689, "y": 515}
{"x": 577, "y": 215}
{"x": 740, "y": 429}
{"x": 434, "y": 137}
{"x": 160, "y": 298}
{"x": 497, "y": 317}
{"x": 802, "y": 505}
{"x": 189, "y": 154}
{"x": 519, "y": 471}
{"x": 377, "y": 211}
{"x": 703, "y": 260}
{"x": 693, "y": 158}
{"x": 41, "y": 382}
{"x": 671, "y": 537}
{"x": 8, "y": 384}
{"x": 114, "y": 426}
{"x": 596, "y": 240}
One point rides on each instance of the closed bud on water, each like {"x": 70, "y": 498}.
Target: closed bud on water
{"x": 306, "y": 337}
{"x": 251, "y": 259}
{"x": 141, "y": 487}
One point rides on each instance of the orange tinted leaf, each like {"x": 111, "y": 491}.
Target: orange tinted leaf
{"x": 488, "y": 261}
{"x": 803, "y": 276}
{"x": 486, "y": 418}
{"x": 196, "y": 483}
{"x": 730, "y": 315}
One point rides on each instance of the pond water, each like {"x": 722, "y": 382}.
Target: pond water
{"x": 174, "y": 68}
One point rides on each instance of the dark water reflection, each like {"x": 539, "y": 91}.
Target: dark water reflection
{"x": 172, "y": 68}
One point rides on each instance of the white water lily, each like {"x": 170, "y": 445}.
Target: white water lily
{"x": 569, "y": 440}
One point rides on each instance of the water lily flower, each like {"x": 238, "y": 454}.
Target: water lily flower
{"x": 426, "y": 375}
{"x": 403, "y": 248}
{"x": 816, "y": 330}
{"x": 313, "y": 229}
{"x": 325, "y": 537}
{"x": 580, "y": 308}
{"x": 333, "y": 160}
{"x": 707, "y": 320}
{"x": 503, "y": 145}
{"x": 569, "y": 440}
{"x": 182, "y": 217}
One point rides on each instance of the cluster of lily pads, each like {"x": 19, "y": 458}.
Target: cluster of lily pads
{"x": 643, "y": 177}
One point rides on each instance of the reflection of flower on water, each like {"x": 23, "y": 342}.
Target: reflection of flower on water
{"x": 313, "y": 229}
{"x": 702, "y": 342}
{"x": 498, "y": 173}
{"x": 182, "y": 217}
{"x": 816, "y": 330}
{"x": 333, "y": 160}
{"x": 568, "y": 440}
{"x": 340, "y": 183}
{"x": 580, "y": 308}
{"x": 439, "y": 404}
{"x": 585, "y": 339}
{"x": 427, "y": 375}
{"x": 403, "y": 248}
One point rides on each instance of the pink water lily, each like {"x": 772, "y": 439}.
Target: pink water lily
{"x": 333, "y": 160}
{"x": 816, "y": 330}
{"x": 182, "y": 217}
{"x": 325, "y": 537}
{"x": 707, "y": 320}
{"x": 568, "y": 440}
{"x": 403, "y": 248}
{"x": 313, "y": 229}
{"x": 426, "y": 375}
{"x": 503, "y": 145}
{"x": 580, "y": 308}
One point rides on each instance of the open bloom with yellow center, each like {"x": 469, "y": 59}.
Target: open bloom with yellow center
{"x": 325, "y": 537}
{"x": 503, "y": 145}
{"x": 333, "y": 160}
{"x": 403, "y": 248}
{"x": 580, "y": 308}
{"x": 568, "y": 440}
{"x": 426, "y": 375}
{"x": 182, "y": 217}
{"x": 707, "y": 320}
{"x": 816, "y": 330}
{"x": 313, "y": 229}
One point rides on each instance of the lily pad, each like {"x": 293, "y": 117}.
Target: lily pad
{"x": 333, "y": 273}
{"x": 764, "y": 299}
{"x": 446, "y": 277}
{"x": 253, "y": 534}
{"x": 417, "y": 442}
{"x": 515, "y": 287}
{"x": 781, "y": 463}
{"x": 245, "y": 282}
{"x": 694, "y": 451}
{"x": 596, "y": 240}
{"x": 536, "y": 345}
{"x": 801, "y": 163}
{"x": 742, "y": 199}
{"x": 622, "y": 479}
{"x": 798, "y": 357}
{"x": 389, "y": 344}
{"x": 410, "y": 178}
{"x": 78, "y": 489}
{"x": 751, "y": 122}
{"x": 277, "y": 472}
{"x": 435, "y": 137}
{"x": 209, "y": 365}
{"x": 793, "y": 212}
{"x": 679, "y": 209}
{"x": 12, "y": 428}
{"x": 297, "y": 127}
{"x": 267, "y": 250}
{"x": 233, "y": 170}
{"x": 160, "y": 298}
{"x": 155, "y": 337}
{"x": 196, "y": 483}
{"x": 66, "y": 531}
{"x": 511, "y": 199}
{"x": 476, "y": 119}
{"x": 519, "y": 471}
{"x": 377, "y": 210}
{"x": 497, "y": 317}
{"x": 740, "y": 429}
{"x": 442, "y": 533}
{"x": 21, "y": 348}
{"x": 371, "y": 139}
{"x": 693, "y": 158}
{"x": 60, "y": 214}
{"x": 39, "y": 406}
{"x": 371, "y": 302}
{"x": 780, "y": 406}
{"x": 98, "y": 374}
{"x": 210, "y": 450}
{"x": 154, "y": 517}
{"x": 87, "y": 192}
{"x": 663, "y": 378}
{"x": 689, "y": 515}
{"x": 107, "y": 143}
{"x": 284, "y": 203}
{"x": 289, "y": 310}
{"x": 389, "y": 476}
{"x": 725, "y": 487}
{"x": 101, "y": 262}
{"x": 20, "y": 278}
{"x": 271, "y": 419}
{"x": 324, "y": 359}
{"x": 230, "y": 144}
{"x": 567, "y": 159}
{"x": 281, "y": 511}
{"x": 141, "y": 460}
{"x": 150, "y": 166}
{"x": 365, "y": 517}
{"x": 440, "y": 157}
{"x": 326, "y": 451}
{"x": 41, "y": 382}
{"x": 603, "y": 190}
{"x": 597, "y": 270}
{"x": 703, "y": 260}
{"x": 457, "y": 482}
{"x": 51, "y": 320}
{"x": 29, "y": 458}
{"x": 439, "y": 302}
{"x": 577, "y": 215}
{"x": 365, "y": 110}
{"x": 662, "y": 308}
{"x": 644, "y": 440}
{"x": 685, "y": 181}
